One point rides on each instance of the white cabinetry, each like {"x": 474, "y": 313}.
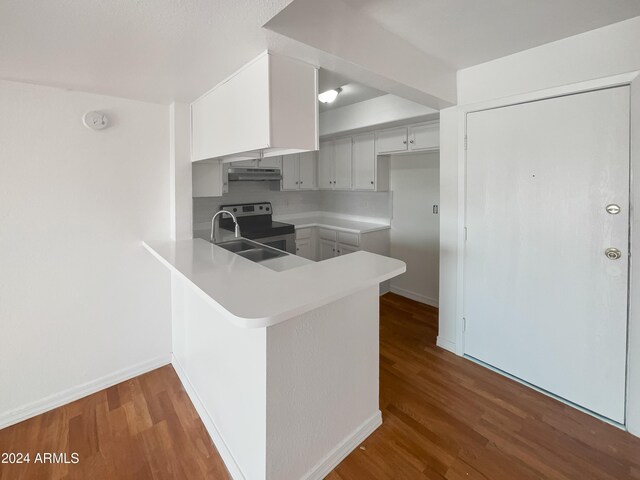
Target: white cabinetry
{"x": 424, "y": 137}
{"x": 306, "y": 243}
{"x": 327, "y": 249}
{"x": 414, "y": 138}
{"x": 335, "y": 243}
{"x": 267, "y": 108}
{"x": 335, "y": 164}
{"x": 370, "y": 171}
{"x": 391, "y": 140}
{"x": 325, "y": 166}
{"x": 209, "y": 179}
{"x": 351, "y": 163}
{"x": 299, "y": 171}
{"x": 342, "y": 164}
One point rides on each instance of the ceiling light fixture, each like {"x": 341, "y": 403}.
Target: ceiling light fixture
{"x": 329, "y": 96}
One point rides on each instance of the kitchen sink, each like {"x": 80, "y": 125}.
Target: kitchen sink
{"x": 260, "y": 254}
{"x": 239, "y": 245}
{"x": 253, "y": 251}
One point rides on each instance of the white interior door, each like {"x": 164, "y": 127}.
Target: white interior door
{"x": 542, "y": 301}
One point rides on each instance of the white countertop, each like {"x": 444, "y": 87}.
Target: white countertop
{"x": 334, "y": 222}
{"x": 224, "y": 278}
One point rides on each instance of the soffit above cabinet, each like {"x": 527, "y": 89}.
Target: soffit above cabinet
{"x": 269, "y": 107}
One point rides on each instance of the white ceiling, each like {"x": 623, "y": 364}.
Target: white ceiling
{"x": 351, "y": 93}
{"x": 462, "y": 33}
{"x": 165, "y": 50}
{"x": 155, "y": 50}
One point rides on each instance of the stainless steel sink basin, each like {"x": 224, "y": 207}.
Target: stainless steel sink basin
{"x": 250, "y": 250}
{"x": 261, "y": 254}
{"x": 239, "y": 245}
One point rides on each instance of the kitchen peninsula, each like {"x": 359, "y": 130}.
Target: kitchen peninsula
{"x": 280, "y": 358}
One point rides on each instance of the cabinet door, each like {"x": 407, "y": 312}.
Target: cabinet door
{"x": 327, "y": 249}
{"x": 343, "y": 164}
{"x": 303, "y": 249}
{"x": 225, "y": 177}
{"x": 325, "y": 166}
{"x": 364, "y": 162}
{"x": 207, "y": 180}
{"x": 270, "y": 162}
{"x": 307, "y": 168}
{"x": 290, "y": 172}
{"x": 342, "y": 249}
{"x": 424, "y": 137}
{"x": 391, "y": 140}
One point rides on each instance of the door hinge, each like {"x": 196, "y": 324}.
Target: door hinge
{"x": 466, "y": 142}
{"x": 464, "y": 324}
{"x": 465, "y": 234}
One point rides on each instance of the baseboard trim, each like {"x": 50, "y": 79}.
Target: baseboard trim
{"x": 209, "y": 424}
{"x": 75, "y": 393}
{"x": 340, "y": 452}
{"x": 446, "y": 344}
{"x": 415, "y": 296}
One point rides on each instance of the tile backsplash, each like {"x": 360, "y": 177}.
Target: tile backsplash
{"x": 364, "y": 204}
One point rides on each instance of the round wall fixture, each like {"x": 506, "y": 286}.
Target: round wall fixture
{"x": 95, "y": 120}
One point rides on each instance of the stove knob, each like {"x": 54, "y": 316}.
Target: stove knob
{"x": 235, "y": 209}
{"x": 261, "y": 207}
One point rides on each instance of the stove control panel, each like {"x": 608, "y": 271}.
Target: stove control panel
{"x": 248, "y": 209}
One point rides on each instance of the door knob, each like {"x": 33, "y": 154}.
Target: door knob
{"x": 613, "y": 209}
{"x": 613, "y": 253}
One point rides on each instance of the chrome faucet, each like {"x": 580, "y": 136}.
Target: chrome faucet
{"x": 213, "y": 220}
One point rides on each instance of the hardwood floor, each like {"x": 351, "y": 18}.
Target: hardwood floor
{"x": 145, "y": 428}
{"x": 444, "y": 417}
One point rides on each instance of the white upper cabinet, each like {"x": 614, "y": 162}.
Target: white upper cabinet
{"x": 290, "y": 175}
{"x": 420, "y": 137}
{"x": 424, "y": 137}
{"x": 269, "y": 107}
{"x": 334, "y": 164}
{"x": 342, "y": 164}
{"x": 326, "y": 166}
{"x": 299, "y": 171}
{"x": 392, "y": 140}
{"x": 307, "y": 170}
{"x": 364, "y": 162}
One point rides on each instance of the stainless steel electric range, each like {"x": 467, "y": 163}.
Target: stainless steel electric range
{"x": 256, "y": 223}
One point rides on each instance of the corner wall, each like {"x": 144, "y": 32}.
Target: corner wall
{"x": 82, "y": 304}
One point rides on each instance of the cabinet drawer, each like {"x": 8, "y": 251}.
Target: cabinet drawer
{"x": 326, "y": 234}
{"x": 349, "y": 238}
{"x": 303, "y": 233}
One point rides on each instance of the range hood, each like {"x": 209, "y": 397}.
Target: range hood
{"x": 237, "y": 174}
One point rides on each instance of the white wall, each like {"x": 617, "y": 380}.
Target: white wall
{"x": 370, "y": 113}
{"x": 181, "y": 204}
{"x": 82, "y": 304}
{"x": 605, "y": 52}
{"x": 415, "y": 231}
{"x": 590, "y": 55}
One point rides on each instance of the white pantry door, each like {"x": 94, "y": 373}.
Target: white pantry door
{"x": 542, "y": 301}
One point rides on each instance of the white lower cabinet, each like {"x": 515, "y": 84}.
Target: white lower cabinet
{"x": 327, "y": 249}
{"x": 323, "y": 243}
{"x": 303, "y": 249}
{"x": 342, "y": 249}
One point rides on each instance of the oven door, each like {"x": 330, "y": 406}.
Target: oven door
{"x": 286, "y": 243}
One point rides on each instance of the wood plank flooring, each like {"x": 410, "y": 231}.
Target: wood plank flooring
{"x": 444, "y": 417}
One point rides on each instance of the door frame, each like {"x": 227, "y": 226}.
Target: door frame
{"x": 632, "y": 79}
